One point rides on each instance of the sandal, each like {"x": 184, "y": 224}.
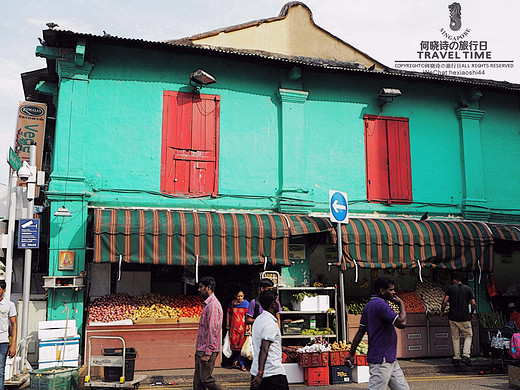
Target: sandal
{"x": 235, "y": 365}
{"x": 243, "y": 368}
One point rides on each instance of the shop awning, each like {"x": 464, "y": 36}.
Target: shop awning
{"x": 182, "y": 237}
{"x": 505, "y": 232}
{"x": 407, "y": 243}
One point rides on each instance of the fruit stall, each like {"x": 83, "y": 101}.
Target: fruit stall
{"x": 426, "y": 334}
{"x": 320, "y": 362}
{"x": 152, "y": 324}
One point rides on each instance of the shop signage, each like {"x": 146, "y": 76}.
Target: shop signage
{"x": 30, "y": 130}
{"x": 338, "y": 206}
{"x": 29, "y": 234}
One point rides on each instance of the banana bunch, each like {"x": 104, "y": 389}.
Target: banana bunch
{"x": 340, "y": 346}
{"x": 364, "y": 284}
{"x": 317, "y": 284}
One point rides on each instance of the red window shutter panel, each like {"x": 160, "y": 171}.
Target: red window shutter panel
{"x": 376, "y": 159}
{"x": 190, "y": 144}
{"x": 399, "y": 160}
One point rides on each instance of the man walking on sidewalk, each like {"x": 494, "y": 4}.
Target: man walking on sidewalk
{"x": 460, "y": 297}
{"x": 267, "y": 371}
{"x": 208, "y": 343}
{"x": 7, "y": 318}
{"x": 380, "y": 321}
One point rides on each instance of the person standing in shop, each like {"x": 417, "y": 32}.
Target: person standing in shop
{"x": 7, "y": 318}
{"x": 267, "y": 371}
{"x": 380, "y": 321}
{"x": 255, "y": 309}
{"x": 236, "y": 325}
{"x": 209, "y": 334}
{"x": 460, "y": 297}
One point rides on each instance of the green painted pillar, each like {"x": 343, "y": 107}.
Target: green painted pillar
{"x": 294, "y": 152}
{"x": 67, "y": 188}
{"x": 474, "y": 202}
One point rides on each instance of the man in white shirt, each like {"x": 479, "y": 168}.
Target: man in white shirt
{"x": 267, "y": 372}
{"x": 7, "y": 316}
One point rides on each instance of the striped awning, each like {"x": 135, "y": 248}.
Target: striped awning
{"x": 182, "y": 237}
{"x": 505, "y": 232}
{"x": 406, "y": 243}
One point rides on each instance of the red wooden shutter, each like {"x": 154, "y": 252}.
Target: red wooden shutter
{"x": 376, "y": 159}
{"x": 399, "y": 160}
{"x": 189, "y": 164}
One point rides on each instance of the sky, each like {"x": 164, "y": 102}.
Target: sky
{"x": 390, "y": 31}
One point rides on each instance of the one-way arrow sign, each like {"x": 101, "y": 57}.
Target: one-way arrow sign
{"x": 338, "y": 206}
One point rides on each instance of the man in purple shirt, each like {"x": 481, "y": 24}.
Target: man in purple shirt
{"x": 207, "y": 345}
{"x": 379, "y": 320}
{"x": 255, "y": 309}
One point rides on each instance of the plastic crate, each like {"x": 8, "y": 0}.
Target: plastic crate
{"x": 316, "y": 376}
{"x": 361, "y": 360}
{"x": 54, "y": 378}
{"x": 112, "y": 374}
{"x": 313, "y": 359}
{"x": 337, "y": 358}
{"x": 340, "y": 374}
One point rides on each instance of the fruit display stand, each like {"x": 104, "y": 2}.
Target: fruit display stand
{"x": 439, "y": 336}
{"x": 159, "y": 346}
{"x": 162, "y": 329}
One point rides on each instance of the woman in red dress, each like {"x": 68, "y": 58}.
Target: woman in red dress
{"x": 236, "y": 324}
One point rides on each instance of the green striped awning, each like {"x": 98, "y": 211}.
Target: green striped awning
{"x": 402, "y": 243}
{"x": 180, "y": 237}
{"x": 505, "y": 232}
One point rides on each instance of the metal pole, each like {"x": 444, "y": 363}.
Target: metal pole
{"x": 10, "y": 234}
{"x": 28, "y": 252}
{"x": 342, "y": 287}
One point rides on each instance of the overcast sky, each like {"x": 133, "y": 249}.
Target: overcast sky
{"x": 387, "y": 30}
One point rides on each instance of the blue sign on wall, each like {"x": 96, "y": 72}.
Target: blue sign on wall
{"x": 29, "y": 234}
{"x": 338, "y": 206}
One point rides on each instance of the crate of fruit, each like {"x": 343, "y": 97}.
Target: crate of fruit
{"x": 313, "y": 359}
{"x": 337, "y": 358}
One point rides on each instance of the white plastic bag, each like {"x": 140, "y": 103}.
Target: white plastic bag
{"x": 226, "y": 346}
{"x": 247, "y": 348}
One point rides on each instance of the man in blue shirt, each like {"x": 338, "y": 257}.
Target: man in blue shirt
{"x": 379, "y": 321}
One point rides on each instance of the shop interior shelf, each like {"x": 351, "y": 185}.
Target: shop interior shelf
{"x": 306, "y": 336}
{"x": 306, "y": 288}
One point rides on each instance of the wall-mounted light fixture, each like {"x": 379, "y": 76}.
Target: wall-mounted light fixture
{"x": 200, "y": 78}
{"x": 387, "y": 95}
{"x": 62, "y": 212}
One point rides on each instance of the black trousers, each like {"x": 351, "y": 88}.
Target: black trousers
{"x": 275, "y": 382}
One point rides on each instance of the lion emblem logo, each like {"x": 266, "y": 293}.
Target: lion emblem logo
{"x": 455, "y": 16}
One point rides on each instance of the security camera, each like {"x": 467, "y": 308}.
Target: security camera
{"x": 24, "y": 173}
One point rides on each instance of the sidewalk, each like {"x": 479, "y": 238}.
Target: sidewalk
{"x": 411, "y": 367}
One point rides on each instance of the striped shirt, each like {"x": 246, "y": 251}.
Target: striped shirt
{"x": 210, "y": 326}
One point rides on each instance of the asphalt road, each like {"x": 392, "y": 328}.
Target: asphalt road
{"x": 433, "y": 382}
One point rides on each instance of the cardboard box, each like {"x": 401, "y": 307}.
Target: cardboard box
{"x": 57, "y": 349}
{"x": 45, "y": 334}
{"x": 340, "y": 374}
{"x": 360, "y": 374}
{"x": 294, "y": 372}
{"x": 308, "y": 304}
{"x": 56, "y": 324}
{"x": 323, "y": 302}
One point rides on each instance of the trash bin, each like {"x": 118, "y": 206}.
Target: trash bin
{"x": 112, "y": 374}
{"x": 54, "y": 378}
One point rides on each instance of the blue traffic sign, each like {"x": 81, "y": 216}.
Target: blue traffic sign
{"x": 29, "y": 234}
{"x": 338, "y": 206}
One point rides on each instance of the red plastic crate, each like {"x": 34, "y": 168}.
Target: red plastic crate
{"x": 316, "y": 376}
{"x": 337, "y": 358}
{"x": 361, "y": 360}
{"x": 313, "y": 359}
